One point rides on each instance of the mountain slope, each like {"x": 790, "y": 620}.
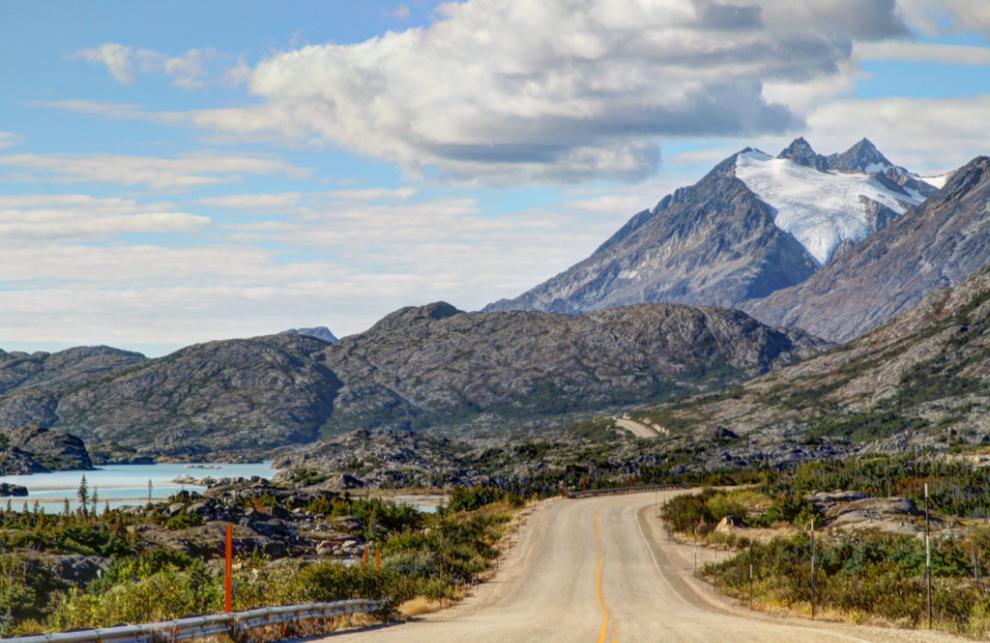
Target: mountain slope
{"x": 431, "y": 366}
{"x": 714, "y": 243}
{"x": 935, "y": 245}
{"x": 755, "y": 224}
{"x": 926, "y": 372}
{"x": 20, "y": 371}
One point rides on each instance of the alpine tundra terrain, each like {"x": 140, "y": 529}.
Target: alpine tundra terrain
{"x": 424, "y": 367}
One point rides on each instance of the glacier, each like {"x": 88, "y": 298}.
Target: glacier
{"x": 820, "y": 208}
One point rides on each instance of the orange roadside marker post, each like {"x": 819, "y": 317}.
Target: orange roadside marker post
{"x": 365, "y": 555}
{"x": 378, "y": 561}
{"x": 229, "y": 570}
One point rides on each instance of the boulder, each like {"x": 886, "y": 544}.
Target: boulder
{"x": 728, "y": 523}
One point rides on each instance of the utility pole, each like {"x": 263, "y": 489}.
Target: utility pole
{"x": 928, "y": 559}
{"x": 812, "y": 568}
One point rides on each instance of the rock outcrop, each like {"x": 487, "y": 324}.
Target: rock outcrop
{"x": 35, "y": 449}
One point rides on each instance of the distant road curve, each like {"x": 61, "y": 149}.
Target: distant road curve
{"x": 599, "y": 570}
{"x": 637, "y": 429}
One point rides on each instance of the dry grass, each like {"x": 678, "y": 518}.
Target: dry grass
{"x": 420, "y": 605}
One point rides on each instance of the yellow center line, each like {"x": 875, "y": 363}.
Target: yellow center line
{"x": 598, "y": 582}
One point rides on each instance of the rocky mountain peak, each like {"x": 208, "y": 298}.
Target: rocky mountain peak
{"x": 800, "y": 152}
{"x": 319, "y": 332}
{"x": 863, "y": 156}
{"x": 416, "y": 314}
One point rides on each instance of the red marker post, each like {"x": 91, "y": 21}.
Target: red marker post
{"x": 229, "y": 570}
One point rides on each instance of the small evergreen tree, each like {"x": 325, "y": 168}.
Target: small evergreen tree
{"x": 83, "y": 494}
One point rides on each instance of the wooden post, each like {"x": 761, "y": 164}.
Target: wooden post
{"x": 750, "y": 574}
{"x": 583, "y": 487}
{"x": 928, "y": 560}
{"x": 378, "y": 561}
{"x": 229, "y": 570}
{"x": 365, "y": 555}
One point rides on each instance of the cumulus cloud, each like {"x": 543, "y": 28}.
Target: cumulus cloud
{"x": 506, "y": 91}
{"x": 178, "y": 173}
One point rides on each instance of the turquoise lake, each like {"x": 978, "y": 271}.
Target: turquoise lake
{"x": 124, "y": 484}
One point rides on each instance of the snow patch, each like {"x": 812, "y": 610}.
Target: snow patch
{"x": 821, "y": 209}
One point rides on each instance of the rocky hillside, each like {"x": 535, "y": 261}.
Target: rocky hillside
{"x": 754, "y": 225}
{"x": 20, "y": 371}
{"x": 320, "y": 332}
{"x": 924, "y": 375}
{"x": 35, "y": 449}
{"x": 714, "y": 243}
{"x": 936, "y": 245}
{"x": 435, "y": 365}
{"x": 432, "y": 366}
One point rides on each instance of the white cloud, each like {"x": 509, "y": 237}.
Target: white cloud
{"x": 509, "y": 92}
{"x": 923, "y": 52}
{"x": 33, "y": 220}
{"x": 187, "y": 71}
{"x": 927, "y": 135}
{"x": 178, "y": 173}
{"x": 116, "y": 57}
{"x": 953, "y": 16}
{"x": 250, "y": 201}
{"x": 400, "y": 13}
{"x": 8, "y": 139}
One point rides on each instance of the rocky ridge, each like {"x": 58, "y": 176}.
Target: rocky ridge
{"x": 319, "y": 332}
{"x": 714, "y": 243}
{"x": 425, "y": 367}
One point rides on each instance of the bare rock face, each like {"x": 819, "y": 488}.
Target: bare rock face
{"x": 21, "y": 372}
{"x": 935, "y": 245}
{"x": 714, "y": 243}
{"x": 35, "y": 449}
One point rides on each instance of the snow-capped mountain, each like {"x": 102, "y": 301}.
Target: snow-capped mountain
{"x": 753, "y": 225}
{"x": 825, "y": 201}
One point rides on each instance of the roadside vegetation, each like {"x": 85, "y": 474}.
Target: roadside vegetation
{"x": 425, "y": 558}
{"x": 861, "y": 575}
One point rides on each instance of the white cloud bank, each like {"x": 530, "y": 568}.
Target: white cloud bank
{"x": 507, "y": 91}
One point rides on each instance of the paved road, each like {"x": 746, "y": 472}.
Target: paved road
{"x": 598, "y": 570}
{"x": 637, "y": 429}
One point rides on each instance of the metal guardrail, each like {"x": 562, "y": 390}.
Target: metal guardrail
{"x": 613, "y": 490}
{"x": 184, "y": 629}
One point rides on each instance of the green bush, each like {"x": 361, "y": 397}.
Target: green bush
{"x": 474, "y": 498}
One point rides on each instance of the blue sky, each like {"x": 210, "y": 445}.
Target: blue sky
{"x": 172, "y": 173}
